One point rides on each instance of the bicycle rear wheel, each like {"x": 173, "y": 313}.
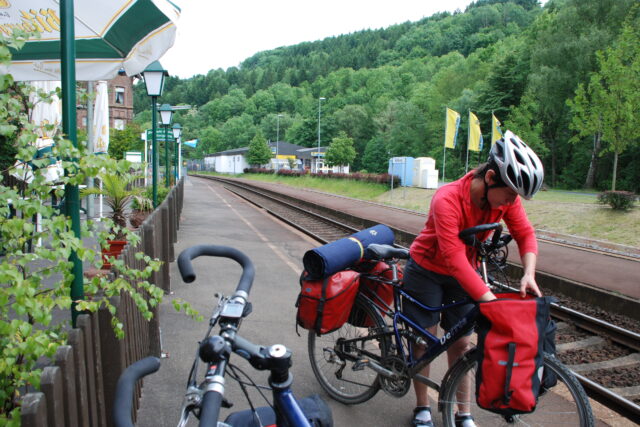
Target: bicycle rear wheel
{"x": 338, "y": 364}
{"x": 564, "y": 404}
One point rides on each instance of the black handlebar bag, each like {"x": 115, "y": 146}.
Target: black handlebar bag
{"x": 511, "y": 343}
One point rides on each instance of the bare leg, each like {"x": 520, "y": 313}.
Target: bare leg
{"x": 422, "y": 397}
{"x": 454, "y": 352}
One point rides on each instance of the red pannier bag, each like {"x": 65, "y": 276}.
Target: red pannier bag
{"x": 380, "y": 293}
{"x": 324, "y": 305}
{"x": 511, "y": 340}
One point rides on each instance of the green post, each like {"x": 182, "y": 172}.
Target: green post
{"x": 175, "y": 159}
{"x": 167, "y": 163}
{"x": 154, "y": 148}
{"x": 72, "y": 199}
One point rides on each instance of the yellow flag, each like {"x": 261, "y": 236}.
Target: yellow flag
{"x": 475, "y": 135}
{"x": 496, "y": 133}
{"x": 451, "y": 129}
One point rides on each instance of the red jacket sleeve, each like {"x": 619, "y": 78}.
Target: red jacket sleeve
{"x": 448, "y": 223}
{"x": 520, "y": 228}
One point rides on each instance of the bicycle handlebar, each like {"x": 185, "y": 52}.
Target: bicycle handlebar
{"x": 469, "y": 234}
{"x": 188, "y": 274}
{"x": 124, "y": 390}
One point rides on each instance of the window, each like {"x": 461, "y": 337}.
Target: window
{"x": 118, "y": 124}
{"x": 119, "y": 95}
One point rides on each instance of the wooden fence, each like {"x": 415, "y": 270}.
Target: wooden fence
{"x": 78, "y": 388}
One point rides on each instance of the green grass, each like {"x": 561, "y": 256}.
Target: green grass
{"x": 576, "y": 213}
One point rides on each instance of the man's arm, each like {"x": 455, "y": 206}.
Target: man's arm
{"x": 528, "y": 281}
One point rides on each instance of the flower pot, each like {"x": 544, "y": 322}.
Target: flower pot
{"x": 114, "y": 250}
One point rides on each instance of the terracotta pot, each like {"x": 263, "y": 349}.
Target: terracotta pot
{"x": 114, "y": 250}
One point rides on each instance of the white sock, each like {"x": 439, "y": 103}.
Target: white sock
{"x": 423, "y": 416}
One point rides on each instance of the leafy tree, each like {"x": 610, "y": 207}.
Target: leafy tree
{"x": 608, "y": 106}
{"x": 376, "y": 157}
{"x": 341, "y": 151}
{"x": 259, "y": 152}
{"x": 127, "y": 139}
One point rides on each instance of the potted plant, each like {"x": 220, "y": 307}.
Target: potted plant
{"x": 118, "y": 191}
{"x": 141, "y": 208}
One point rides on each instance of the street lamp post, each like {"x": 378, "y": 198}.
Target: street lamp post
{"x": 177, "y": 131}
{"x": 154, "y": 82}
{"x": 322, "y": 98}
{"x": 166, "y": 112}
{"x": 278, "y": 141}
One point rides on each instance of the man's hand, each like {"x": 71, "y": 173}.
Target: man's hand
{"x": 528, "y": 283}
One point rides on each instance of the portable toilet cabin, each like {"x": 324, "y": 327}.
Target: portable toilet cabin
{"x": 425, "y": 174}
{"x": 402, "y": 167}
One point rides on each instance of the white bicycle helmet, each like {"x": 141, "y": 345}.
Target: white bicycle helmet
{"x": 519, "y": 166}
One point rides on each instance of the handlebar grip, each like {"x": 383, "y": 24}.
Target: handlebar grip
{"x": 124, "y": 390}
{"x": 210, "y": 411}
{"x": 189, "y": 275}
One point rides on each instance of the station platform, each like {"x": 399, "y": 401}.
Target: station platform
{"x": 212, "y": 215}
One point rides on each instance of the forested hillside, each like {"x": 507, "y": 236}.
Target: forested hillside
{"x": 564, "y": 77}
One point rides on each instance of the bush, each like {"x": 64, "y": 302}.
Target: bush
{"x": 162, "y": 193}
{"x": 618, "y": 200}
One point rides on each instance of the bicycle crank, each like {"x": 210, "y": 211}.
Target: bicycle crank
{"x": 399, "y": 383}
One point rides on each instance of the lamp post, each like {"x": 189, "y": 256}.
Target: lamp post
{"x": 154, "y": 82}
{"x": 166, "y": 112}
{"x": 322, "y": 98}
{"x": 278, "y": 141}
{"x": 177, "y": 131}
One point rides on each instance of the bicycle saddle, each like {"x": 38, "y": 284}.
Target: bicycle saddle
{"x": 378, "y": 251}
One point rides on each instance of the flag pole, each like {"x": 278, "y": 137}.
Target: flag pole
{"x": 466, "y": 164}
{"x": 444, "y": 147}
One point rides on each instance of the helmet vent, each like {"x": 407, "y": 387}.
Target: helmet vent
{"x": 519, "y": 158}
{"x": 525, "y": 181}
{"x": 511, "y": 174}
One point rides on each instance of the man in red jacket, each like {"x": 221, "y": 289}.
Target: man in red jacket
{"x": 440, "y": 269}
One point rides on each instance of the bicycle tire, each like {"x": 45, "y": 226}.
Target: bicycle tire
{"x": 355, "y": 385}
{"x": 564, "y": 404}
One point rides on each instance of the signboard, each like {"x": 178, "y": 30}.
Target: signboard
{"x": 162, "y": 134}
{"x": 316, "y": 154}
{"x": 133, "y": 156}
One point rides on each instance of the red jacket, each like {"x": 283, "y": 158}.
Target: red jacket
{"x": 438, "y": 247}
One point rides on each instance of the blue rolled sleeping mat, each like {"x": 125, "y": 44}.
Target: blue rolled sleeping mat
{"x": 328, "y": 259}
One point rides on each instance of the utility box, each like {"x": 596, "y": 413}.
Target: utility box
{"x": 402, "y": 167}
{"x": 429, "y": 178}
{"x": 425, "y": 174}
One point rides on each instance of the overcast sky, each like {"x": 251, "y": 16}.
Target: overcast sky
{"x": 222, "y": 33}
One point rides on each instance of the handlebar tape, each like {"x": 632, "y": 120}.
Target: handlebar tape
{"x": 188, "y": 274}
{"x": 210, "y": 411}
{"x": 124, "y": 390}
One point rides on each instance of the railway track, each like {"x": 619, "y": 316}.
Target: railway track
{"x": 579, "y": 334}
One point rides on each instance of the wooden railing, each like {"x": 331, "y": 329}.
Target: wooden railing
{"x": 78, "y": 388}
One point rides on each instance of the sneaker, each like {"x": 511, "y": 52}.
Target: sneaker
{"x": 422, "y": 416}
{"x": 464, "y": 421}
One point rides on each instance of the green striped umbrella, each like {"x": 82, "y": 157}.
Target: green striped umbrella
{"x": 110, "y": 35}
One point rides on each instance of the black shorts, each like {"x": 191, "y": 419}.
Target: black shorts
{"x": 434, "y": 290}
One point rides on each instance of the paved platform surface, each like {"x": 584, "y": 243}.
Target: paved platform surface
{"x": 212, "y": 215}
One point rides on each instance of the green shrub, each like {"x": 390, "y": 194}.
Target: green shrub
{"x": 162, "y": 193}
{"x": 618, "y": 200}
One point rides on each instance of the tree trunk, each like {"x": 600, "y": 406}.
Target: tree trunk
{"x": 615, "y": 169}
{"x": 593, "y": 165}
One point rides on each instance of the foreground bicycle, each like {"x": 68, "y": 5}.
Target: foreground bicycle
{"x": 373, "y": 350}
{"x": 204, "y": 400}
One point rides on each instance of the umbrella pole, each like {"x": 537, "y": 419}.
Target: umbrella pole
{"x": 70, "y": 130}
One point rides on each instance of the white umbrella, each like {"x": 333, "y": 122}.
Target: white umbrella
{"x": 45, "y": 113}
{"x": 110, "y": 35}
{"x": 100, "y": 134}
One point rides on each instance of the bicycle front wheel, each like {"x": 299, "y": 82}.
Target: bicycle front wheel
{"x": 337, "y": 357}
{"x": 564, "y": 404}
